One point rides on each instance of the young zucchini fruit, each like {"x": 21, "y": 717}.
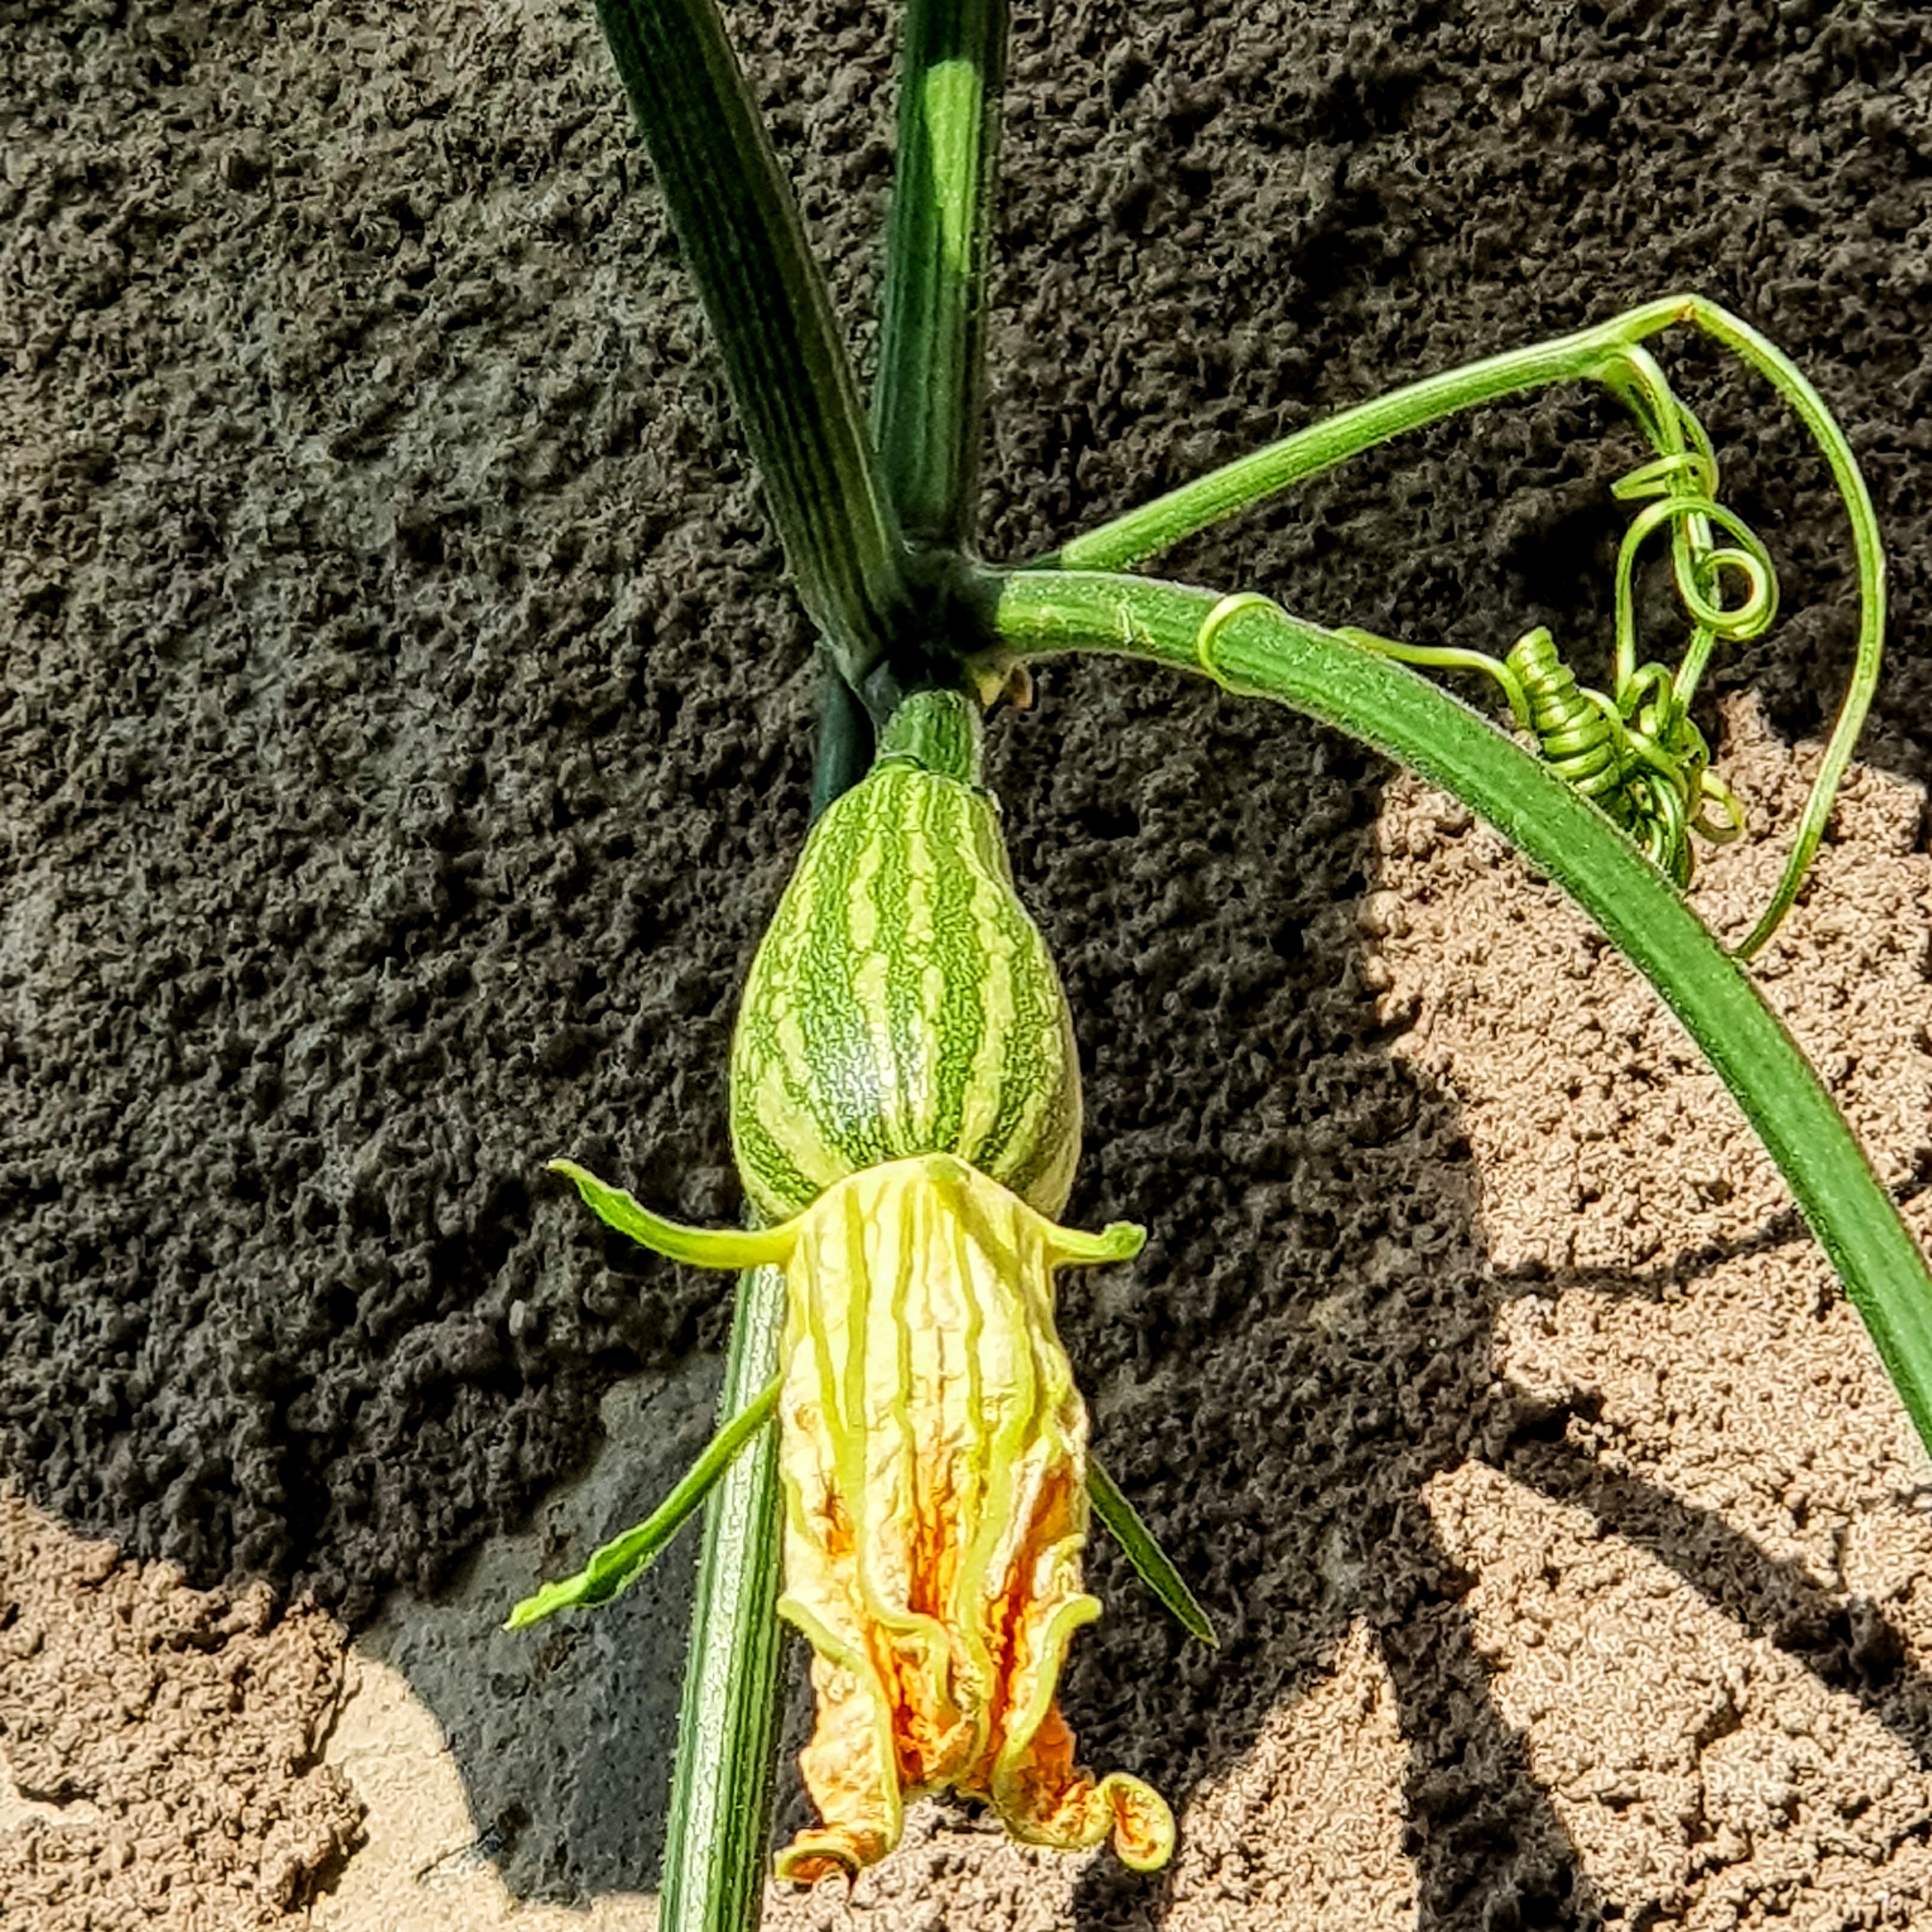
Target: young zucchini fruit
{"x": 905, "y": 1109}
{"x": 903, "y": 1002}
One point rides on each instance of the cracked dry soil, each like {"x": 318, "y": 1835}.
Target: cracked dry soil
{"x": 403, "y": 738}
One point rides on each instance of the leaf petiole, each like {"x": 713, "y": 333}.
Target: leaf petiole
{"x": 1254, "y": 648}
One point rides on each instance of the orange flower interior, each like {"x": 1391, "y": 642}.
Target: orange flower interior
{"x": 934, "y": 1450}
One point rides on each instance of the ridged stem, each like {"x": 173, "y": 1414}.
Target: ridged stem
{"x": 790, "y": 380}
{"x": 715, "y": 1844}
{"x": 720, "y": 1816}
{"x": 927, "y": 409}
{"x": 1253, "y": 647}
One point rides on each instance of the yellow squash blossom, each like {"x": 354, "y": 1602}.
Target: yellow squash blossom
{"x": 933, "y": 1453}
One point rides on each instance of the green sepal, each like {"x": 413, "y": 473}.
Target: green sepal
{"x": 1156, "y": 1571}
{"x": 733, "y": 1248}
{"x": 1117, "y": 1241}
{"x": 618, "y": 1563}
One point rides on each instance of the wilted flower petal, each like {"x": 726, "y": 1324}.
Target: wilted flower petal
{"x": 933, "y": 1449}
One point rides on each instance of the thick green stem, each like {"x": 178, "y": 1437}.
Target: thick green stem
{"x": 1251, "y": 646}
{"x": 763, "y": 294}
{"x": 927, "y": 408}
{"x": 715, "y": 1848}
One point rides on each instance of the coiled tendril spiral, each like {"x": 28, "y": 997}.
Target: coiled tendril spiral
{"x": 1636, "y": 752}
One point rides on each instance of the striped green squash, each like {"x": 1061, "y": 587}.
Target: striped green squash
{"x": 903, "y": 1003}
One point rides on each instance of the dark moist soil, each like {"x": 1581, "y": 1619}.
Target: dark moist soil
{"x": 405, "y": 733}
